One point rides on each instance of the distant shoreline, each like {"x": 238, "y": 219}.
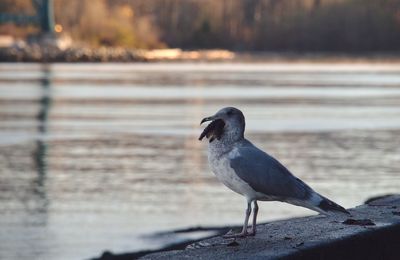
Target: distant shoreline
{"x": 51, "y": 54}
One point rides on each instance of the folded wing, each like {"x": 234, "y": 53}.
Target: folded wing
{"x": 268, "y": 176}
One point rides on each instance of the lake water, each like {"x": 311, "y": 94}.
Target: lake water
{"x": 98, "y": 157}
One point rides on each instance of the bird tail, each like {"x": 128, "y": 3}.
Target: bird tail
{"x": 326, "y": 205}
{"x": 319, "y": 203}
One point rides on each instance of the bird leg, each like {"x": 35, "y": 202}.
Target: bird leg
{"x": 254, "y": 226}
{"x": 246, "y": 222}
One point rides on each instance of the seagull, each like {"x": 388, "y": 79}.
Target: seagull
{"x": 253, "y": 173}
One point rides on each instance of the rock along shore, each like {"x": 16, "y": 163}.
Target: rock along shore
{"x": 51, "y": 53}
{"x": 37, "y": 53}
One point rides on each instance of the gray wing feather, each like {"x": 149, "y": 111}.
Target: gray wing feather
{"x": 268, "y": 176}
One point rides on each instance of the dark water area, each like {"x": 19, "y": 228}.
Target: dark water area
{"x": 98, "y": 157}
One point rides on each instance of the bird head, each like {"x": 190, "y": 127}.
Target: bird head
{"x": 228, "y": 122}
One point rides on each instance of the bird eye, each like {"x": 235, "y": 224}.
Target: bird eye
{"x": 229, "y": 113}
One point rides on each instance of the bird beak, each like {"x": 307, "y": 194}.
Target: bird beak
{"x": 206, "y": 119}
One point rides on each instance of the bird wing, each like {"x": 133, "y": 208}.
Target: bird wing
{"x": 268, "y": 176}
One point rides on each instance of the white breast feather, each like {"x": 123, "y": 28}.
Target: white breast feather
{"x": 225, "y": 174}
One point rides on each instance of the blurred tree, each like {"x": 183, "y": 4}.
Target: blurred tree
{"x": 269, "y": 25}
{"x": 107, "y": 23}
{"x": 17, "y": 7}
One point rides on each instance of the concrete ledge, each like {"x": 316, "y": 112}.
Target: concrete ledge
{"x": 315, "y": 237}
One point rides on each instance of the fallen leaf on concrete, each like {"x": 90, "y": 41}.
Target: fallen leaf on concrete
{"x": 300, "y": 244}
{"x": 199, "y": 244}
{"x": 233, "y": 243}
{"x": 359, "y": 222}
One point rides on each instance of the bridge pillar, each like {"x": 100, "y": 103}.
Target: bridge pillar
{"x": 46, "y": 15}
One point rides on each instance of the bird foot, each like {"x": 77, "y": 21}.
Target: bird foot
{"x": 235, "y": 235}
{"x": 251, "y": 232}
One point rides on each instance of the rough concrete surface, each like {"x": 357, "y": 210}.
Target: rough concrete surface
{"x": 315, "y": 237}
